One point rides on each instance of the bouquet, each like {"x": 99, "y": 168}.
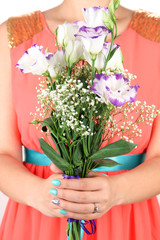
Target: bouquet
{"x": 85, "y": 98}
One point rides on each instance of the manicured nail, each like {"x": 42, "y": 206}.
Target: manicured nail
{"x": 56, "y": 183}
{"x": 53, "y": 191}
{"x": 63, "y": 212}
{"x": 55, "y": 201}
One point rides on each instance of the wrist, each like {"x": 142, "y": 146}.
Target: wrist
{"x": 117, "y": 188}
{"x": 34, "y": 187}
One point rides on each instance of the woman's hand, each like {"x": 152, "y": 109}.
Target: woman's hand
{"x": 79, "y": 198}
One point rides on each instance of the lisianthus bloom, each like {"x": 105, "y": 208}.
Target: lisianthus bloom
{"x": 33, "y": 61}
{"x": 117, "y": 59}
{"x": 114, "y": 89}
{"x": 94, "y": 16}
{"x": 114, "y": 62}
{"x": 92, "y": 38}
{"x": 66, "y": 32}
{"x": 56, "y": 63}
{"x": 73, "y": 52}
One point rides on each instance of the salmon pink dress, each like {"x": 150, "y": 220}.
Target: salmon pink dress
{"x": 140, "y": 45}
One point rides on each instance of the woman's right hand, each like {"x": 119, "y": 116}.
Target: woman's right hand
{"x": 43, "y": 194}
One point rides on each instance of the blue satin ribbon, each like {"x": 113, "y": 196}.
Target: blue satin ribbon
{"x": 127, "y": 162}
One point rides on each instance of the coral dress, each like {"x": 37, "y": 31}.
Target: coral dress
{"x": 140, "y": 45}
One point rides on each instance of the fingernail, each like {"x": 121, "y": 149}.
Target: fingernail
{"x": 53, "y": 191}
{"x": 63, "y": 212}
{"x": 56, "y": 182}
{"x": 55, "y": 201}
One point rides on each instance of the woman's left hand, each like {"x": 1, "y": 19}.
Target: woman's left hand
{"x": 86, "y": 198}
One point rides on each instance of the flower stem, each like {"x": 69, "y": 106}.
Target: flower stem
{"x": 93, "y": 69}
{"x": 56, "y": 38}
{"x": 68, "y": 73}
{"x": 50, "y": 80}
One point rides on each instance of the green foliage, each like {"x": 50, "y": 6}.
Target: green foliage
{"x": 78, "y": 154}
{"x": 108, "y": 21}
{"x": 117, "y": 148}
{"x": 116, "y": 4}
{"x": 55, "y": 157}
{"x": 104, "y": 163}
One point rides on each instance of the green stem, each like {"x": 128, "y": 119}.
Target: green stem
{"x": 56, "y": 38}
{"x": 50, "y": 80}
{"x": 68, "y": 72}
{"x": 107, "y": 59}
{"x": 93, "y": 70}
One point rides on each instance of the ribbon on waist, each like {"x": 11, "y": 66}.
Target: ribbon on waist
{"x": 126, "y": 162}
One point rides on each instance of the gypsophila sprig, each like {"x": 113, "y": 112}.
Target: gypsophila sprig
{"x": 86, "y": 99}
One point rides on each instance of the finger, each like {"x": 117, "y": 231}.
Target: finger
{"x": 80, "y": 196}
{"x": 75, "y": 207}
{"x": 84, "y": 184}
{"x": 78, "y": 216}
{"x": 54, "y": 168}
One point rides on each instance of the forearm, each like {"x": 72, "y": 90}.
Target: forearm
{"x": 138, "y": 184}
{"x": 16, "y": 181}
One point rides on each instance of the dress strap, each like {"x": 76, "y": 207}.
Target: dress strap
{"x": 147, "y": 25}
{"x": 23, "y": 28}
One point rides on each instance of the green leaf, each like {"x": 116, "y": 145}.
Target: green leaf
{"x": 35, "y": 122}
{"x": 116, "y": 4}
{"x": 77, "y": 170}
{"x": 112, "y": 53}
{"x": 77, "y": 154}
{"x": 108, "y": 21}
{"x": 111, "y": 7}
{"x": 122, "y": 58}
{"x": 117, "y": 148}
{"x": 47, "y": 50}
{"x": 54, "y": 157}
{"x": 84, "y": 141}
{"x": 49, "y": 123}
{"x": 56, "y": 144}
{"x": 104, "y": 162}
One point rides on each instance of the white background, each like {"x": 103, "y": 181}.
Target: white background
{"x": 17, "y": 7}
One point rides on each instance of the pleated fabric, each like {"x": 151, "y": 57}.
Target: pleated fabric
{"x": 138, "y": 221}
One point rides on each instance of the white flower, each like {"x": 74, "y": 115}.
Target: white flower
{"x": 33, "y": 61}
{"x": 73, "y": 52}
{"x": 66, "y": 32}
{"x": 117, "y": 59}
{"x": 114, "y": 62}
{"x": 56, "y": 63}
{"x": 114, "y": 89}
{"x": 92, "y": 38}
{"x": 94, "y": 16}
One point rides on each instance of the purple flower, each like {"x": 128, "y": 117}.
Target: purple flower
{"x": 114, "y": 89}
{"x": 94, "y": 16}
{"x": 92, "y": 38}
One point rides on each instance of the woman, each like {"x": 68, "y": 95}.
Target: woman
{"x": 41, "y": 199}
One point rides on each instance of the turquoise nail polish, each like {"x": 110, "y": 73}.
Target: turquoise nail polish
{"x": 53, "y": 191}
{"x": 56, "y": 183}
{"x": 63, "y": 212}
